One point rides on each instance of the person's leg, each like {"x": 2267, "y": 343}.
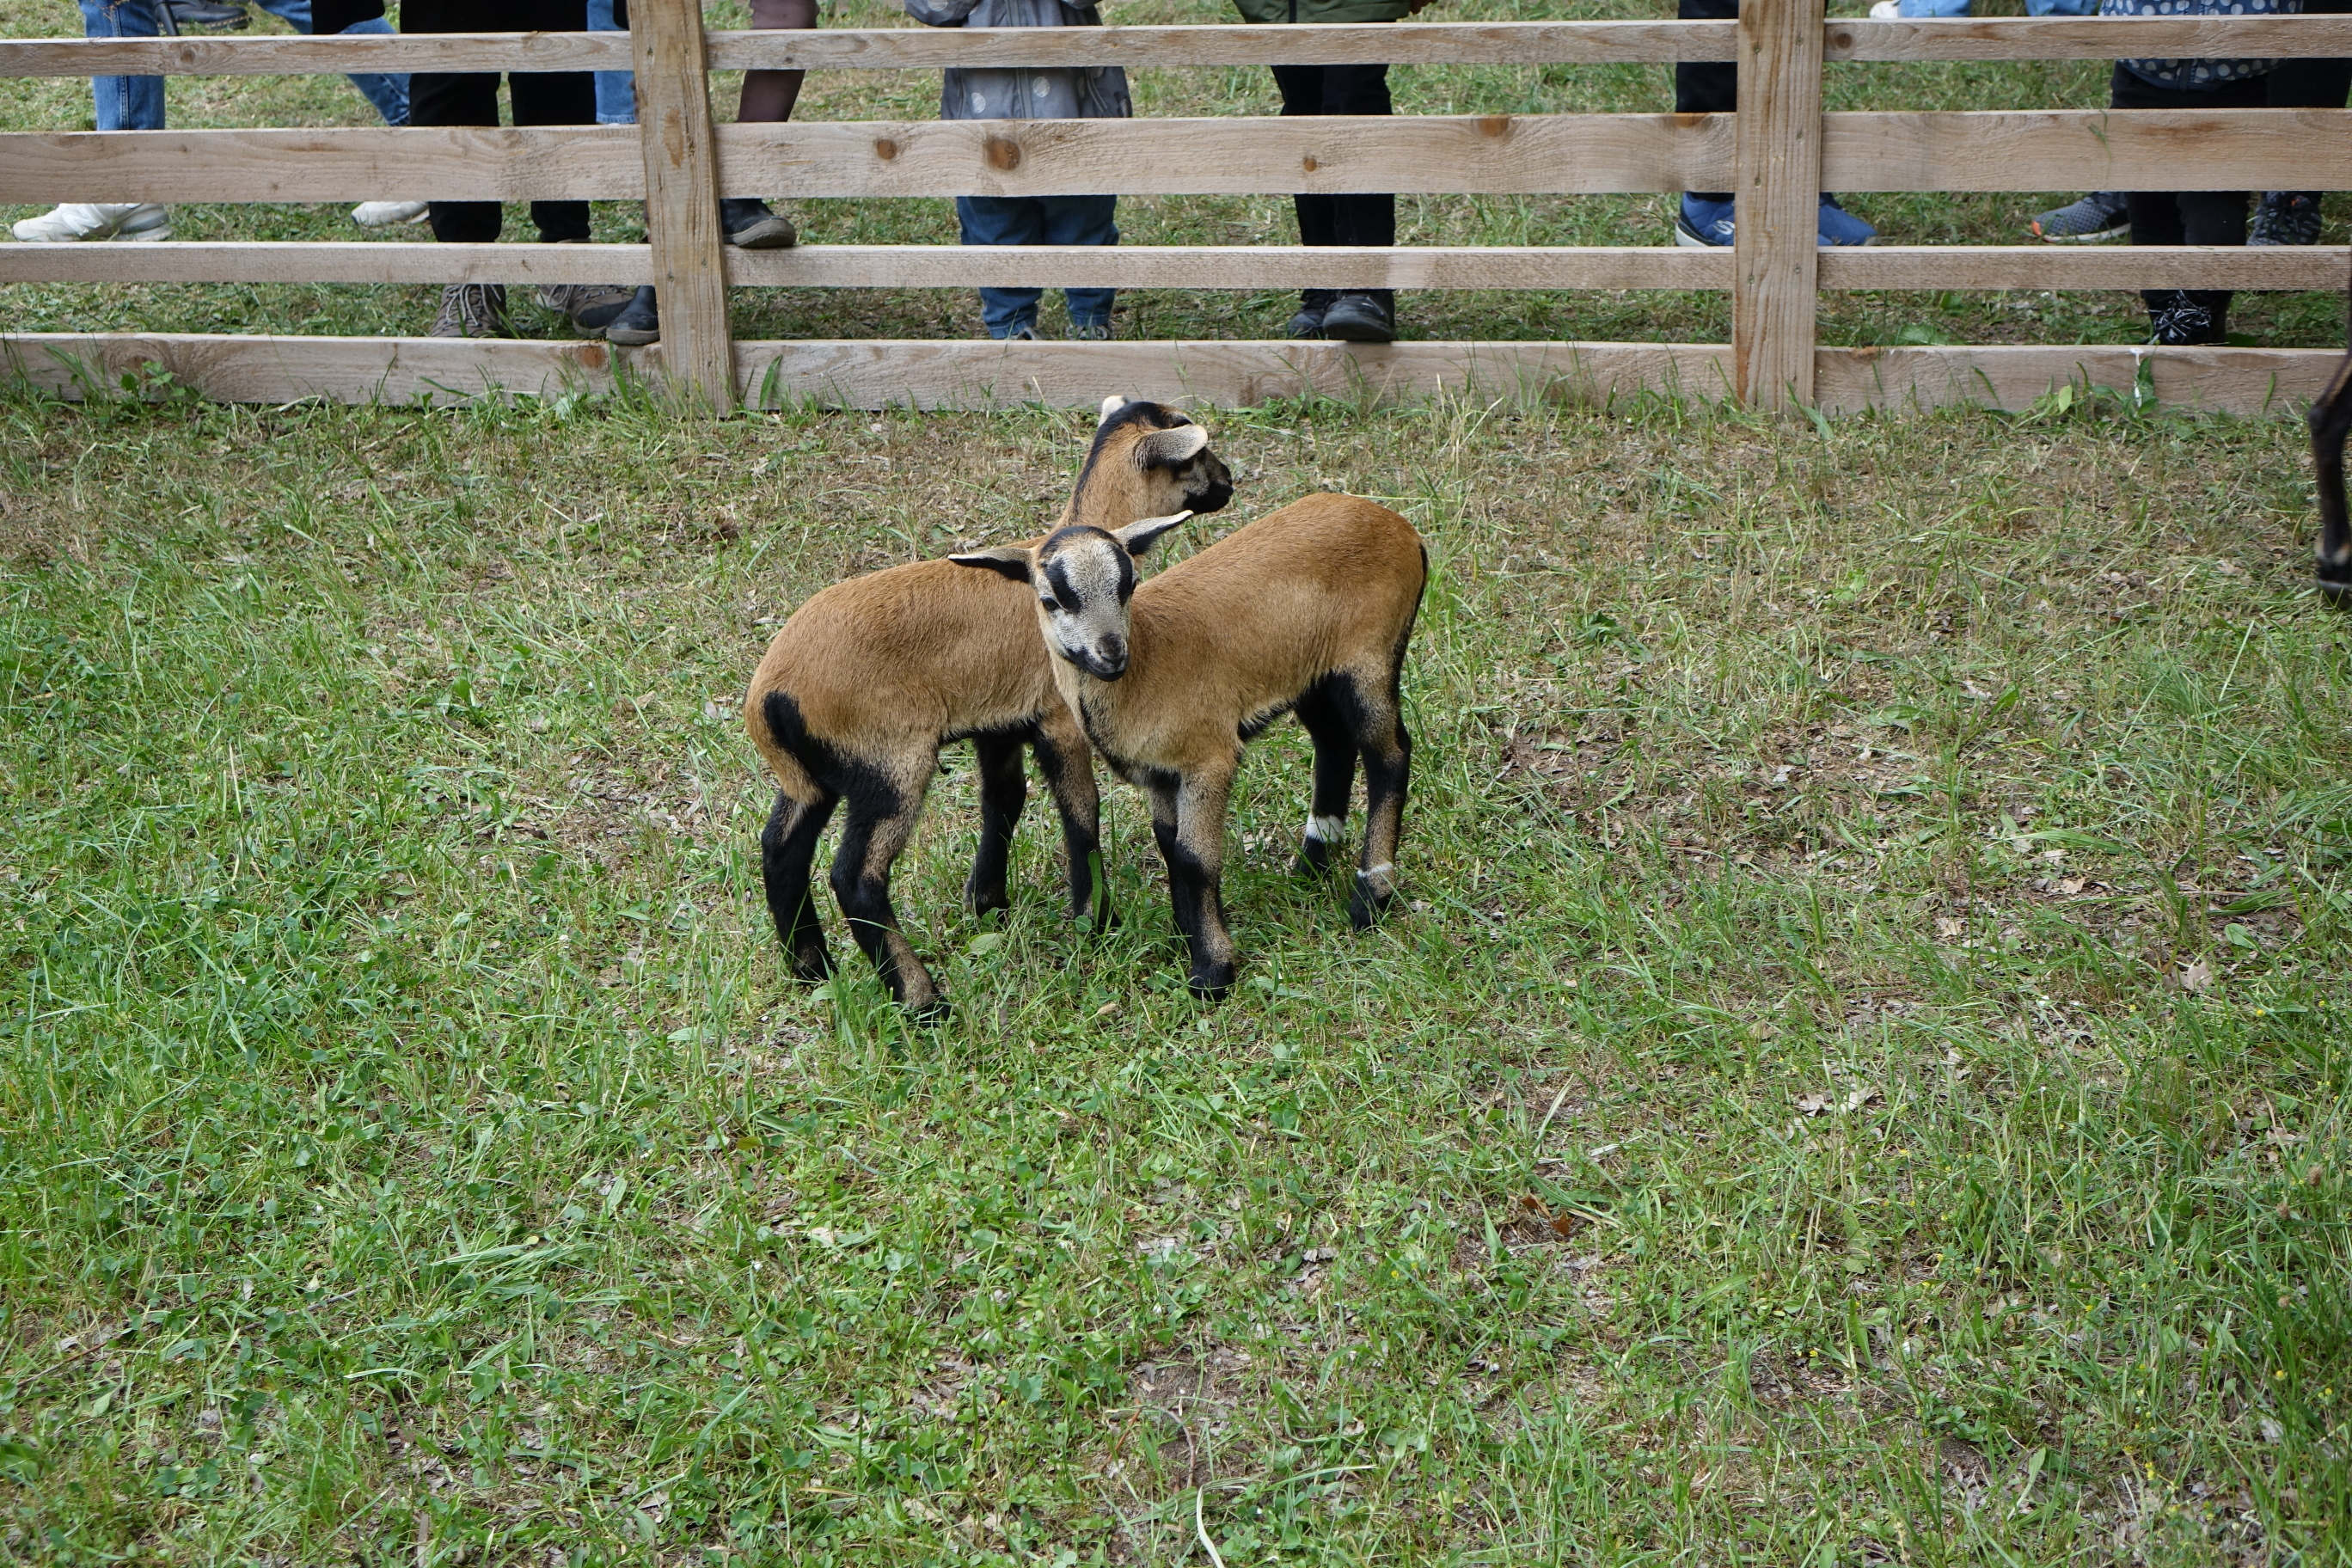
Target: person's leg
{"x": 2293, "y": 218}
{"x": 1919, "y": 10}
{"x": 768, "y": 96}
{"x": 1361, "y": 217}
{"x": 454, "y": 98}
{"x": 616, "y": 91}
{"x": 1083, "y": 220}
{"x": 1707, "y": 87}
{"x": 555, "y": 98}
{"x": 124, "y": 102}
{"x": 1004, "y": 220}
{"x": 1302, "y": 93}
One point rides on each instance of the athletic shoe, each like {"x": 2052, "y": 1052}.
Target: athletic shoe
{"x": 384, "y": 215}
{"x": 2178, "y": 319}
{"x": 1026, "y": 333}
{"x": 1887, "y": 11}
{"x": 591, "y": 308}
{"x": 1708, "y": 225}
{"x": 638, "y": 323}
{"x": 1702, "y": 225}
{"x": 2285, "y": 217}
{"x": 205, "y": 13}
{"x": 1835, "y": 226}
{"x": 1089, "y": 332}
{"x": 750, "y": 226}
{"x": 95, "y": 220}
{"x": 472, "y": 310}
{"x": 1360, "y": 319}
{"x": 2093, "y": 220}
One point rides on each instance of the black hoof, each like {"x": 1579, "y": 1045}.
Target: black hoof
{"x": 2336, "y": 590}
{"x": 1106, "y": 920}
{"x": 1308, "y": 869}
{"x": 984, "y": 902}
{"x": 1214, "y": 986}
{"x": 812, "y": 964}
{"x": 932, "y": 1016}
{"x": 1365, "y": 913}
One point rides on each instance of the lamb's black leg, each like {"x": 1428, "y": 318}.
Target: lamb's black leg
{"x": 870, "y": 844}
{"x": 1335, "y": 780}
{"x": 1067, "y": 764}
{"x": 787, "y": 849}
{"x": 1003, "y": 791}
{"x": 2331, "y": 418}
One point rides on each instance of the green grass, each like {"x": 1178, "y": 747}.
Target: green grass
{"x": 1882, "y": 891}
{"x": 2286, "y": 320}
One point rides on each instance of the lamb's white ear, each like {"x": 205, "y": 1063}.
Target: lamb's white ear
{"x": 1167, "y": 448}
{"x": 1111, "y": 406}
{"x": 1139, "y": 537}
{"x": 1006, "y": 560}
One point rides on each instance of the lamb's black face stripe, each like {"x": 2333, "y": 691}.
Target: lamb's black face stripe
{"x": 1057, "y": 574}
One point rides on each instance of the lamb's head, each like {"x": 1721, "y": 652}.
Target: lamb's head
{"x": 1084, "y": 577}
{"x": 1147, "y": 460}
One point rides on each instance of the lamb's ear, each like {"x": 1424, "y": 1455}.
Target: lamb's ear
{"x": 1139, "y": 537}
{"x": 1111, "y": 406}
{"x": 1168, "y": 448}
{"x": 1006, "y": 560}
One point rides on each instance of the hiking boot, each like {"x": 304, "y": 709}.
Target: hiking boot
{"x": 2285, "y": 217}
{"x": 2090, "y": 220}
{"x": 95, "y": 220}
{"x": 472, "y": 310}
{"x": 591, "y": 308}
{"x": 1089, "y": 333}
{"x": 639, "y": 322}
{"x": 384, "y": 215}
{"x": 2179, "y": 317}
{"x": 752, "y": 226}
{"x": 1360, "y": 319}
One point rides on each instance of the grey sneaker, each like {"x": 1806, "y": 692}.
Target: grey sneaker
{"x": 2285, "y": 217}
{"x": 472, "y": 310}
{"x": 2089, "y": 220}
{"x": 1089, "y": 333}
{"x": 589, "y": 307}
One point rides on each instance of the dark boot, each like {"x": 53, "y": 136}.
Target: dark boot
{"x": 1313, "y": 306}
{"x": 638, "y": 323}
{"x": 2183, "y": 317}
{"x": 1364, "y": 316}
{"x": 751, "y": 224}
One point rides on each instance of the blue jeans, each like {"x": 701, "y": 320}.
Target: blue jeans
{"x": 1926, "y": 8}
{"x": 136, "y": 103}
{"x": 1039, "y": 220}
{"x": 616, "y": 91}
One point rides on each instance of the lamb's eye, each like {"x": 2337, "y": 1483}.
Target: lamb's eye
{"x": 1050, "y": 602}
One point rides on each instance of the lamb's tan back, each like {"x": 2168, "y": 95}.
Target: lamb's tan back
{"x": 1280, "y": 602}
{"x": 930, "y": 650}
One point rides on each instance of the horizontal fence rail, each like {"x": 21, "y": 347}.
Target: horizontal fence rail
{"x": 1399, "y": 43}
{"x": 1498, "y": 154}
{"x": 1776, "y": 157}
{"x": 1624, "y": 269}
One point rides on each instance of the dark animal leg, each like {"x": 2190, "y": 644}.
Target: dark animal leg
{"x": 787, "y": 849}
{"x": 1335, "y": 780}
{"x": 1188, "y": 819}
{"x": 2331, "y": 418}
{"x": 861, "y": 882}
{"x": 1003, "y": 791}
{"x": 1388, "y": 773}
{"x": 1069, "y": 769}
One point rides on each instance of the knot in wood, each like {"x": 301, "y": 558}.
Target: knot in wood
{"x": 1002, "y": 152}
{"x": 885, "y": 149}
{"x": 1494, "y": 125}
{"x": 1307, "y": 163}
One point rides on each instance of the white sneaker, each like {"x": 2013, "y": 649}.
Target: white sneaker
{"x": 95, "y": 220}
{"x": 384, "y": 215}
{"x": 1887, "y": 11}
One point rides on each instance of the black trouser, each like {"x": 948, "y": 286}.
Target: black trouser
{"x": 1355, "y": 218}
{"x": 2313, "y": 84}
{"x": 1707, "y": 87}
{"x": 471, "y": 98}
{"x": 2187, "y": 217}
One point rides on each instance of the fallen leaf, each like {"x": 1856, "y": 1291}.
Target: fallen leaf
{"x": 2197, "y": 977}
{"x": 1816, "y": 1103}
{"x": 1949, "y": 929}
{"x": 1561, "y": 1225}
{"x": 1860, "y": 1097}
{"x": 2070, "y": 886}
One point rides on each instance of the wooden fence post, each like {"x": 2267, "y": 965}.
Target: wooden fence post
{"x": 1775, "y": 263}
{"x": 682, "y": 199}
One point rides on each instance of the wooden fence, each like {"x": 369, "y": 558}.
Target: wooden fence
{"x": 1776, "y": 154}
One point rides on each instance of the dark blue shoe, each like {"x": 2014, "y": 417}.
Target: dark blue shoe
{"x": 1702, "y": 225}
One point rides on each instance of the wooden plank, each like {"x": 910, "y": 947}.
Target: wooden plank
{"x": 256, "y": 368}
{"x": 334, "y": 262}
{"x": 2090, "y": 38}
{"x": 1487, "y": 153}
{"x": 1773, "y": 248}
{"x": 2231, "y": 380}
{"x": 2250, "y": 149}
{"x": 455, "y": 163}
{"x": 1941, "y": 267}
{"x": 1253, "y": 267}
{"x": 873, "y": 374}
{"x": 888, "y": 48}
{"x": 1406, "y": 43}
{"x": 2109, "y": 149}
{"x": 681, "y": 162}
